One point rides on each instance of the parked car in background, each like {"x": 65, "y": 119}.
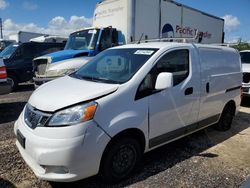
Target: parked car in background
{"x": 245, "y": 60}
{"x": 18, "y": 59}
{"x": 126, "y": 101}
{"x": 5, "y": 86}
{"x": 79, "y": 49}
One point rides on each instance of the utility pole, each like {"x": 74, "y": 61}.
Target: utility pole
{"x": 1, "y": 28}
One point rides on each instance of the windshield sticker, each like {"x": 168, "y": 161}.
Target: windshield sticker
{"x": 144, "y": 52}
{"x": 92, "y": 32}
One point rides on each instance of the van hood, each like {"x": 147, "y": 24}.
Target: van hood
{"x": 67, "y": 91}
{"x": 245, "y": 67}
{"x": 68, "y": 54}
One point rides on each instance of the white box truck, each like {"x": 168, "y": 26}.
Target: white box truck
{"x": 24, "y": 36}
{"x": 157, "y": 19}
{"x": 117, "y": 22}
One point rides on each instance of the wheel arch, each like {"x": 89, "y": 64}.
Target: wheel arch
{"x": 231, "y": 104}
{"x": 135, "y": 133}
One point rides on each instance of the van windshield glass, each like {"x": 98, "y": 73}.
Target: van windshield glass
{"x": 82, "y": 40}
{"x": 8, "y": 51}
{"x": 245, "y": 57}
{"x": 114, "y": 65}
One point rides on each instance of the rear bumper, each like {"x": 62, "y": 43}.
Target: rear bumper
{"x": 41, "y": 80}
{"x": 5, "y": 88}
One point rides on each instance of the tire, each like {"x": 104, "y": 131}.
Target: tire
{"x": 120, "y": 159}
{"x": 13, "y": 81}
{"x": 226, "y": 118}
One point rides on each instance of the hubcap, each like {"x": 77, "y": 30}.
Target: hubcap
{"x": 124, "y": 160}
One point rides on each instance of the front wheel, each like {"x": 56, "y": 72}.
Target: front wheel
{"x": 226, "y": 118}
{"x": 120, "y": 159}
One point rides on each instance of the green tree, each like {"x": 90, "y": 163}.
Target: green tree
{"x": 242, "y": 46}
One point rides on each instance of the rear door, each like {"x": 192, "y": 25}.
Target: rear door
{"x": 220, "y": 74}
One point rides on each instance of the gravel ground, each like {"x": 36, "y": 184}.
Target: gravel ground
{"x": 207, "y": 158}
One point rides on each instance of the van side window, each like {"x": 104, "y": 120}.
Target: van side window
{"x": 176, "y": 62}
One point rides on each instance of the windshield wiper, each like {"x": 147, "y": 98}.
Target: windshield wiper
{"x": 107, "y": 80}
{"x": 94, "y": 79}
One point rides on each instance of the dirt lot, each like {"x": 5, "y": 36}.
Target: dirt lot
{"x": 207, "y": 158}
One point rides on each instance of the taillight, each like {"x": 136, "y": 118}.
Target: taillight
{"x": 3, "y": 73}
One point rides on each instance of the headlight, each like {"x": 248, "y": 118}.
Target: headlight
{"x": 74, "y": 115}
{"x": 59, "y": 72}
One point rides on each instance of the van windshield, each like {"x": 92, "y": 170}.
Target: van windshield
{"x": 245, "y": 57}
{"x": 82, "y": 40}
{"x": 114, "y": 65}
{"x": 8, "y": 51}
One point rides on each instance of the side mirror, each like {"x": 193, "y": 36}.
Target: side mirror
{"x": 164, "y": 80}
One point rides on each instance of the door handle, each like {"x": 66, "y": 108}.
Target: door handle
{"x": 207, "y": 87}
{"x": 189, "y": 91}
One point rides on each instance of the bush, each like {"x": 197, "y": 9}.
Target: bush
{"x": 242, "y": 46}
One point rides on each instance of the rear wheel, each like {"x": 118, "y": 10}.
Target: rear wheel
{"x": 13, "y": 81}
{"x": 226, "y": 118}
{"x": 120, "y": 159}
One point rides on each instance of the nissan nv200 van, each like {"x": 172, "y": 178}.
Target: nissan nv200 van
{"x": 127, "y": 101}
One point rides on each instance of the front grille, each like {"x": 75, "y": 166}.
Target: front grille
{"x": 35, "y": 118}
{"x": 40, "y": 66}
{"x": 246, "y": 77}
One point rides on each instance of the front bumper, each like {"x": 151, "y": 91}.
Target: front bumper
{"x": 41, "y": 80}
{"x": 62, "y": 159}
{"x": 5, "y": 88}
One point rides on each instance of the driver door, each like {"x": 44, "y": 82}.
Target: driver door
{"x": 172, "y": 109}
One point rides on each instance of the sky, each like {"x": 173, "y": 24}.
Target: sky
{"x": 64, "y": 16}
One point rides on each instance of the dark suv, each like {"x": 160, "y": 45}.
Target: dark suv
{"x": 18, "y": 59}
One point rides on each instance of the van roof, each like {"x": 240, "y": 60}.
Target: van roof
{"x": 164, "y": 45}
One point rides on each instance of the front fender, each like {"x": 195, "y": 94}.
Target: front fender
{"x": 117, "y": 113}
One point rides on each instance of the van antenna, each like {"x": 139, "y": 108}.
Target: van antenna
{"x": 140, "y": 38}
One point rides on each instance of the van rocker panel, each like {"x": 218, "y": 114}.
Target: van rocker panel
{"x": 183, "y": 131}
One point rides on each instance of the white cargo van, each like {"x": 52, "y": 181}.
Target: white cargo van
{"x": 127, "y": 101}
